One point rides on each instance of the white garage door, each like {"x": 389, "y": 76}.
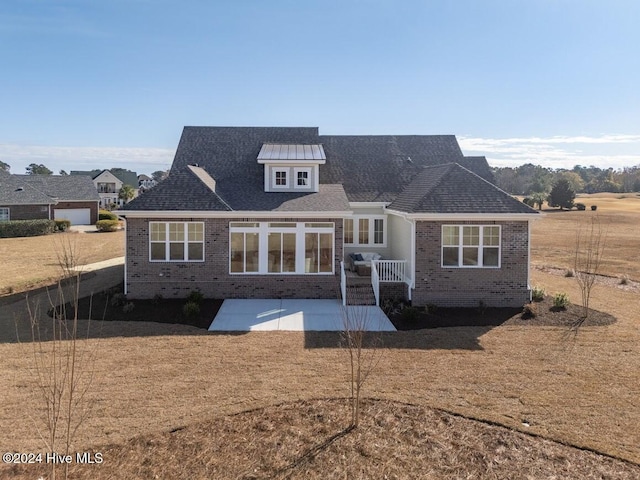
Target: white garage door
{"x": 78, "y": 216}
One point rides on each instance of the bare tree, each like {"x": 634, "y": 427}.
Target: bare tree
{"x": 63, "y": 362}
{"x": 589, "y": 249}
{"x": 364, "y": 350}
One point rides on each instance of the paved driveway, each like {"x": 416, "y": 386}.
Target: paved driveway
{"x": 297, "y": 315}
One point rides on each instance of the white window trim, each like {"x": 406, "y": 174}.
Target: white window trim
{"x": 479, "y": 247}
{"x": 300, "y": 229}
{"x": 8, "y": 214}
{"x": 185, "y": 242}
{"x": 287, "y": 172}
{"x": 356, "y": 231}
{"x": 309, "y": 185}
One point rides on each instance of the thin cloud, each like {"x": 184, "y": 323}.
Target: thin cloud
{"x": 604, "y": 151}
{"x": 86, "y": 158}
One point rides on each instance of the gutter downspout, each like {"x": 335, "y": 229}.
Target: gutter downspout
{"x": 412, "y": 284}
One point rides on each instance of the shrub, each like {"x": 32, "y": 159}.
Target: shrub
{"x": 581, "y": 206}
{"x": 560, "y": 301}
{"x": 118, "y": 299}
{"x": 196, "y": 297}
{"x": 624, "y": 281}
{"x": 62, "y": 225}
{"x": 409, "y": 314}
{"x": 537, "y": 294}
{"x": 594, "y": 208}
{"x": 569, "y": 273}
{"x": 530, "y": 310}
{"x": 191, "y": 310}
{"x": 107, "y": 225}
{"x": 26, "y": 228}
{"x": 106, "y": 215}
{"x": 128, "y": 307}
{"x": 529, "y": 201}
{"x": 158, "y": 298}
{"x": 432, "y": 308}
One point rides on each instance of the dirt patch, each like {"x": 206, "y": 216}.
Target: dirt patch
{"x": 310, "y": 439}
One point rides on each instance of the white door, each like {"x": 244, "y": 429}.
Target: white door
{"x": 77, "y": 216}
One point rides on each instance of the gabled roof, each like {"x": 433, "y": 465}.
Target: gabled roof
{"x": 46, "y": 189}
{"x": 13, "y": 191}
{"x": 451, "y": 188}
{"x": 126, "y": 177}
{"x": 187, "y": 189}
{"x": 365, "y": 168}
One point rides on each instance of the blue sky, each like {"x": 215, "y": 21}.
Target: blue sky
{"x": 100, "y": 83}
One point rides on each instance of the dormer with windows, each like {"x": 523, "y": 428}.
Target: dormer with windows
{"x": 291, "y": 167}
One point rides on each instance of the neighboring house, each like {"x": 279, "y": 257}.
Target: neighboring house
{"x": 145, "y": 182}
{"x": 277, "y": 212}
{"x": 29, "y": 197}
{"x": 108, "y": 184}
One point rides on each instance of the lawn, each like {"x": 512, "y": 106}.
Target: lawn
{"x": 33, "y": 261}
{"x": 176, "y": 401}
{"x": 554, "y": 237}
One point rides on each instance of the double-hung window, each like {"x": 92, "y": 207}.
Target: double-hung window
{"x": 4, "y": 214}
{"x": 176, "y": 241}
{"x": 369, "y": 230}
{"x": 471, "y": 246}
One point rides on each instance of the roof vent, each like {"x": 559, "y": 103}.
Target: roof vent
{"x": 409, "y": 159}
{"x": 20, "y": 189}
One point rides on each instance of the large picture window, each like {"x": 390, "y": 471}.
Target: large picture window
{"x": 471, "y": 246}
{"x": 365, "y": 230}
{"x": 281, "y": 247}
{"x": 4, "y": 214}
{"x": 176, "y": 241}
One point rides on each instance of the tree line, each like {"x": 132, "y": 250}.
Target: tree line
{"x": 532, "y": 179}
{"x": 40, "y": 169}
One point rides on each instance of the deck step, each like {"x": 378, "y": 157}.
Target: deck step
{"x": 360, "y": 295}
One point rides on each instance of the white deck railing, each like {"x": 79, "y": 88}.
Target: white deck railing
{"x": 343, "y": 284}
{"x": 387, "y": 271}
{"x": 391, "y": 270}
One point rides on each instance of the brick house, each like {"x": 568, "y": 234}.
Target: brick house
{"x": 30, "y": 197}
{"x": 259, "y": 212}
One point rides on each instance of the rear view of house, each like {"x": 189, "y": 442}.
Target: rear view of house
{"x": 255, "y": 212}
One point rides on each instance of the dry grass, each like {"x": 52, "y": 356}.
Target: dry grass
{"x": 580, "y": 388}
{"x": 308, "y": 439}
{"x": 32, "y": 261}
{"x": 554, "y": 237}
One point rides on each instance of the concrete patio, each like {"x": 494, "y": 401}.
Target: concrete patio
{"x": 296, "y": 315}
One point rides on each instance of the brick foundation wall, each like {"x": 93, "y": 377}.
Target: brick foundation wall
{"x": 467, "y": 287}
{"x": 146, "y": 279}
{"x": 34, "y": 212}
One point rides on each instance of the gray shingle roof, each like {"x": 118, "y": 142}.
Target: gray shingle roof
{"x": 369, "y": 168}
{"x": 182, "y": 190}
{"x": 452, "y": 188}
{"x": 46, "y": 189}
{"x": 125, "y": 176}
{"x": 16, "y": 192}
